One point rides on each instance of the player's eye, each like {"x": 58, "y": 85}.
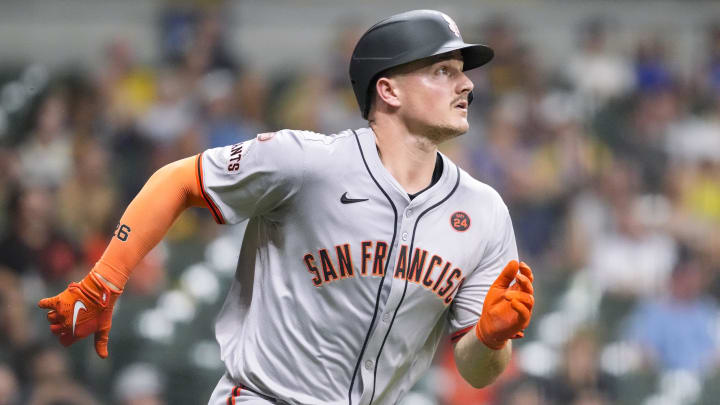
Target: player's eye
{"x": 443, "y": 70}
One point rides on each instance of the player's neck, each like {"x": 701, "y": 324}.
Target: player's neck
{"x": 410, "y": 158}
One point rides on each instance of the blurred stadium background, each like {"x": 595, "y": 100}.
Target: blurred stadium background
{"x": 598, "y": 122}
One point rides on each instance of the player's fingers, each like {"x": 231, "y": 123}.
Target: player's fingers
{"x": 48, "y": 303}
{"x": 524, "y": 283}
{"x": 525, "y": 298}
{"x": 55, "y": 317}
{"x": 507, "y": 275}
{"x": 522, "y": 311}
{"x": 66, "y": 339}
{"x": 101, "y": 342}
{"x": 57, "y": 329}
{"x": 526, "y": 271}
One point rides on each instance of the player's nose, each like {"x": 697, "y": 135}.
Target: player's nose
{"x": 465, "y": 85}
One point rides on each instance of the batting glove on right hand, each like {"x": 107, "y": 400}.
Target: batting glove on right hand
{"x": 507, "y": 309}
{"x": 82, "y": 309}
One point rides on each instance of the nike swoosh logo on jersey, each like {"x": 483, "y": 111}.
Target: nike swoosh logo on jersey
{"x": 78, "y": 306}
{"x": 345, "y": 200}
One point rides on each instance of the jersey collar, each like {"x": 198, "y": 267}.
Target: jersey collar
{"x": 435, "y": 192}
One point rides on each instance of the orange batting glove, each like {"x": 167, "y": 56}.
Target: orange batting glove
{"x": 507, "y": 309}
{"x": 82, "y": 309}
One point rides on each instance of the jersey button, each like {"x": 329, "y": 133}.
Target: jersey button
{"x": 386, "y": 317}
{"x": 408, "y": 213}
{"x": 369, "y": 364}
{"x": 404, "y": 235}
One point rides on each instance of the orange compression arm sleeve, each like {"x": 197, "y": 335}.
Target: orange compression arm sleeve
{"x": 167, "y": 193}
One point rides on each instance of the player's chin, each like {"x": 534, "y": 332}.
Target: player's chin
{"x": 460, "y": 118}
{"x": 461, "y": 125}
{"x": 464, "y": 126}
{"x": 454, "y": 130}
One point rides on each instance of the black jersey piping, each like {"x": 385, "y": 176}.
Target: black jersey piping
{"x": 382, "y": 281}
{"x": 412, "y": 243}
{"x": 217, "y": 214}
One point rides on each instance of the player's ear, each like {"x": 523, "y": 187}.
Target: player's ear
{"x": 388, "y": 91}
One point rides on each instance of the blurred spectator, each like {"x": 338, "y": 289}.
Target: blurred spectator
{"x": 632, "y": 259}
{"x": 132, "y": 162}
{"x": 15, "y": 320}
{"x": 90, "y": 188}
{"x": 290, "y": 107}
{"x": 613, "y": 236}
{"x": 46, "y": 154}
{"x": 10, "y": 171}
{"x": 693, "y": 139}
{"x": 170, "y": 113}
{"x": 635, "y": 129}
{"x": 127, "y": 88}
{"x": 697, "y": 207}
{"x": 560, "y": 159}
{"x": 205, "y": 51}
{"x": 679, "y": 330}
{"x": 223, "y": 125}
{"x": 33, "y": 244}
{"x": 9, "y": 386}
{"x": 252, "y": 101}
{"x": 176, "y": 25}
{"x": 651, "y": 70}
{"x": 653, "y": 116}
{"x": 524, "y": 391}
{"x": 595, "y": 72}
{"x": 139, "y": 384}
{"x": 85, "y": 109}
{"x": 493, "y": 161}
{"x": 51, "y": 380}
{"x": 184, "y": 25}
{"x": 210, "y": 34}
{"x": 512, "y": 68}
{"x": 712, "y": 81}
{"x": 338, "y": 107}
{"x": 580, "y": 379}
{"x": 591, "y": 397}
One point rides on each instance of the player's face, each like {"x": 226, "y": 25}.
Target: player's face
{"x": 435, "y": 98}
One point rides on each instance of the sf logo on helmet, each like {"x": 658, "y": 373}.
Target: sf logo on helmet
{"x": 451, "y": 24}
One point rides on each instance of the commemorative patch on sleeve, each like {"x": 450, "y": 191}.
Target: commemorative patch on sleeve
{"x": 265, "y": 136}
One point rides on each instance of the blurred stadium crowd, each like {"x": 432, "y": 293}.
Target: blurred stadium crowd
{"x": 609, "y": 161}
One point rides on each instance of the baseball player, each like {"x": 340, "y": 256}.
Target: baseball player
{"x": 363, "y": 249}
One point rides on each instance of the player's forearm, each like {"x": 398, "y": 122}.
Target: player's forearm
{"x": 478, "y": 364}
{"x": 167, "y": 193}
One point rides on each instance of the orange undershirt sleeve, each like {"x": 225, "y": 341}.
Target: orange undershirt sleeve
{"x": 167, "y": 193}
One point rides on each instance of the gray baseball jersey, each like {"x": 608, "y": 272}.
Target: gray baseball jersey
{"x": 344, "y": 285}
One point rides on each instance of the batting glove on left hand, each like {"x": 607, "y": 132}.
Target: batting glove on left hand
{"x": 82, "y": 309}
{"x": 507, "y": 309}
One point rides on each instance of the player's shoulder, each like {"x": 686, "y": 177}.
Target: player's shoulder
{"x": 308, "y": 141}
{"x": 480, "y": 192}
